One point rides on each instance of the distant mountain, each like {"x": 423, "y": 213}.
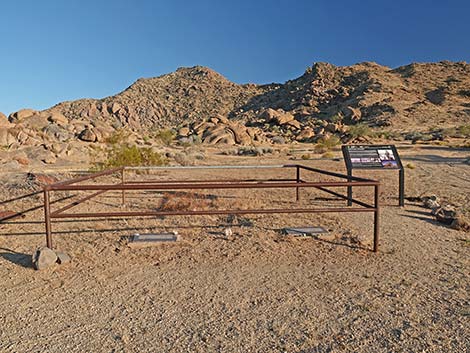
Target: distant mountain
{"x": 203, "y": 106}
{"x": 418, "y": 94}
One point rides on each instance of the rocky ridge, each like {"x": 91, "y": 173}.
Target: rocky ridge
{"x": 202, "y": 105}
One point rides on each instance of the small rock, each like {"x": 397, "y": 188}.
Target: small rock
{"x": 228, "y": 232}
{"x": 459, "y": 223}
{"x": 63, "y": 258}
{"x": 326, "y": 236}
{"x": 279, "y": 140}
{"x": 44, "y": 258}
{"x": 431, "y": 202}
{"x": 445, "y": 214}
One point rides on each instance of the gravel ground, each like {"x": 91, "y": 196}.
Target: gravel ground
{"x": 253, "y": 291}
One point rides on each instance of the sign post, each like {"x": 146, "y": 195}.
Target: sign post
{"x": 374, "y": 157}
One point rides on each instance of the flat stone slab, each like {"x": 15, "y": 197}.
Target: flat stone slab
{"x": 305, "y": 231}
{"x": 153, "y": 239}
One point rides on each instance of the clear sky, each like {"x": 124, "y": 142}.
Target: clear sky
{"x": 56, "y": 50}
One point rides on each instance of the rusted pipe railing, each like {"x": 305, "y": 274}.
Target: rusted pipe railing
{"x": 127, "y": 185}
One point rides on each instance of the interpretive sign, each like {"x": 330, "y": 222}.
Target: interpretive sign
{"x": 380, "y": 157}
{"x": 371, "y": 157}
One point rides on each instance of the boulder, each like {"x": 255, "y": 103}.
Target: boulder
{"x": 294, "y": 123}
{"x": 352, "y": 115}
{"x": 184, "y": 131}
{"x": 4, "y": 120}
{"x": 305, "y": 134}
{"x": 202, "y": 127}
{"x": 219, "y": 135}
{"x": 278, "y": 117}
{"x": 36, "y": 122}
{"x": 279, "y": 140}
{"x": 58, "y": 118}
{"x": 6, "y": 138}
{"x": 240, "y": 134}
{"x": 55, "y": 132}
{"x": 21, "y": 114}
{"x": 115, "y": 107}
{"x": 44, "y": 258}
{"x": 332, "y": 128}
{"x": 87, "y": 135}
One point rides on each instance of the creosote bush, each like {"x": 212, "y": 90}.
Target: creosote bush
{"x": 327, "y": 143}
{"x": 124, "y": 155}
{"x": 119, "y": 136}
{"x": 359, "y": 130}
{"x": 165, "y": 136}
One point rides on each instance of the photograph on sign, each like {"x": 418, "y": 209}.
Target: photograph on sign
{"x": 387, "y": 158}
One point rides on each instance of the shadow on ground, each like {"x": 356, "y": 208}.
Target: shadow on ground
{"x": 16, "y": 258}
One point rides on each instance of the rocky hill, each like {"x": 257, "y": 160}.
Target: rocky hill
{"x": 200, "y": 104}
{"x": 419, "y": 94}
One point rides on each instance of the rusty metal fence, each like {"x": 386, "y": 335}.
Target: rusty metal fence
{"x": 296, "y": 183}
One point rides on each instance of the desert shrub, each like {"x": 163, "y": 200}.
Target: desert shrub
{"x": 386, "y": 134}
{"x": 464, "y": 130}
{"x": 337, "y": 118}
{"x": 165, "y": 136}
{"x": 328, "y": 154}
{"x": 125, "y": 155}
{"x": 327, "y": 143}
{"x": 410, "y": 166}
{"x": 184, "y": 159}
{"x": 306, "y": 156}
{"x": 119, "y": 136}
{"x": 359, "y": 130}
{"x": 185, "y": 201}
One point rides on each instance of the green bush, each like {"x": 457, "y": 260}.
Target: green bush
{"x": 125, "y": 155}
{"x": 165, "y": 136}
{"x": 359, "y": 130}
{"x": 327, "y": 143}
{"x": 337, "y": 118}
{"x": 464, "y": 130}
{"x": 119, "y": 136}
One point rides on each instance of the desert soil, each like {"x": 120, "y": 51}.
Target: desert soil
{"x": 254, "y": 290}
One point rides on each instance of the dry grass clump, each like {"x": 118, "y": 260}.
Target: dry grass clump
{"x": 325, "y": 144}
{"x": 359, "y": 130}
{"x": 165, "y": 136}
{"x": 185, "y": 201}
{"x": 119, "y": 136}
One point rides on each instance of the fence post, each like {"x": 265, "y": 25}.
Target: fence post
{"x": 350, "y": 189}
{"x": 123, "y": 191}
{"x": 401, "y": 188}
{"x": 47, "y": 218}
{"x": 297, "y": 196}
{"x": 376, "y": 217}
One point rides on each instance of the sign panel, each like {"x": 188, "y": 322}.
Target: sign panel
{"x": 371, "y": 157}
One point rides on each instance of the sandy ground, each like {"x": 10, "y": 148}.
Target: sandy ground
{"x": 255, "y": 290}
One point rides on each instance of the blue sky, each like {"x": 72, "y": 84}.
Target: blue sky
{"x": 56, "y": 50}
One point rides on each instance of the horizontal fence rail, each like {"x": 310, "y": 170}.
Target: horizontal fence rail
{"x": 296, "y": 183}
